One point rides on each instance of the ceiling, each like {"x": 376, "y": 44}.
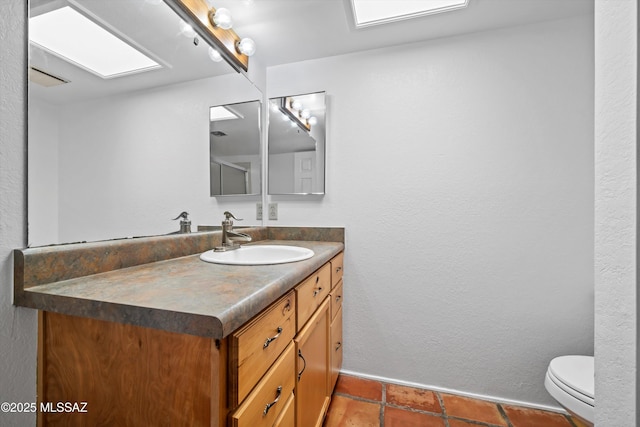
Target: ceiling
{"x": 284, "y": 30}
{"x": 296, "y": 30}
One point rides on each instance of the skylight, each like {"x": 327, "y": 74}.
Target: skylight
{"x": 71, "y": 36}
{"x": 374, "y": 12}
{"x": 221, "y": 112}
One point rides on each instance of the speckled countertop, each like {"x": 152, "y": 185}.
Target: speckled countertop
{"x": 184, "y": 294}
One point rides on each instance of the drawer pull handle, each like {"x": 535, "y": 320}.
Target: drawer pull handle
{"x": 269, "y": 405}
{"x": 273, "y": 338}
{"x": 338, "y": 269}
{"x": 338, "y": 346}
{"x": 304, "y": 366}
{"x": 317, "y": 291}
{"x": 338, "y": 298}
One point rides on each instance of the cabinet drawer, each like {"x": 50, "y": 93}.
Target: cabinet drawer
{"x": 336, "y": 299}
{"x": 311, "y": 293}
{"x": 287, "y": 417}
{"x": 337, "y": 268}
{"x": 264, "y": 404}
{"x": 335, "y": 348}
{"x": 258, "y": 344}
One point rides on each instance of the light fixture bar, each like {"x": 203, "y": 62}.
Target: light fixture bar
{"x": 294, "y": 115}
{"x": 197, "y": 12}
{"x": 99, "y": 51}
{"x": 375, "y": 12}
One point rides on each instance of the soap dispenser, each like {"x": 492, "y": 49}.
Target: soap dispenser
{"x": 185, "y": 222}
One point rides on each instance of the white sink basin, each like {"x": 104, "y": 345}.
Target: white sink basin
{"x": 258, "y": 255}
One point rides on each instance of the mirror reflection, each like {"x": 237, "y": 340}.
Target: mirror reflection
{"x": 119, "y": 153}
{"x": 297, "y": 138}
{"x": 234, "y": 141}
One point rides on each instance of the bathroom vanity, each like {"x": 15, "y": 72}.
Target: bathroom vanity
{"x": 178, "y": 341}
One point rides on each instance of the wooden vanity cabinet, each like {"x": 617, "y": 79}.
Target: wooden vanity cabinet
{"x": 279, "y": 369}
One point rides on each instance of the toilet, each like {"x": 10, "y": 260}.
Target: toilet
{"x": 570, "y": 380}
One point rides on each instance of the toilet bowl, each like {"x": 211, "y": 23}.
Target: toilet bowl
{"x": 570, "y": 380}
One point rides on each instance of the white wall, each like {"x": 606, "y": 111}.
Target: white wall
{"x": 43, "y": 162}
{"x": 462, "y": 169}
{"x": 140, "y": 159}
{"x": 616, "y": 213}
{"x": 17, "y": 325}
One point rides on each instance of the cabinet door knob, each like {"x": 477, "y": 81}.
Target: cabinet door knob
{"x": 287, "y": 307}
{"x": 269, "y": 405}
{"x": 273, "y": 338}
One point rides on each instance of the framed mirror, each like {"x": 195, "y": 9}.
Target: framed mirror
{"x": 297, "y": 141}
{"x": 120, "y": 152}
{"x": 234, "y": 140}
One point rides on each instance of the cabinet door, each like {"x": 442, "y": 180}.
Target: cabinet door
{"x": 312, "y": 365}
{"x": 335, "y": 348}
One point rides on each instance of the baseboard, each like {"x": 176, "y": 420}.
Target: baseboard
{"x": 457, "y": 392}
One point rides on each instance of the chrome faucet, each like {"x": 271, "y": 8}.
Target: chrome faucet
{"x": 230, "y": 237}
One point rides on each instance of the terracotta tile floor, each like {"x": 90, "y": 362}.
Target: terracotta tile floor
{"x": 360, "y": 402}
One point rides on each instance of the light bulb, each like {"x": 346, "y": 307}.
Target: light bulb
{"x": 214, "y": 55}
{"x": 222, "y": 18}
{"x": 187, "y": 30}
{"x": 305, "y": 114}
{"x": 246, "y": 46}
{"x": 312, "y": 121}
{"x": 296, "y": 105}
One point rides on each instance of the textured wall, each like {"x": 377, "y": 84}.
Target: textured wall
{"x": 17, "y": 325}
{"x": 616, "y": 213}
{"x": 462, "y": 169}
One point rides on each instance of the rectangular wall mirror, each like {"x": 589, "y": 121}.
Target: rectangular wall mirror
{"x": 116, "y": 153}
{"x": 297, "y": 141}
{"x": 234, "y": 141}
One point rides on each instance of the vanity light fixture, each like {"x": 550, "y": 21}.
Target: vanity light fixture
{"x": 367, "y": 12}
{"x": 215, "y": 27}
{"x": 57, "y": 32}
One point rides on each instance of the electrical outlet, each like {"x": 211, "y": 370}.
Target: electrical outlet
{"x": 259, "y": 211}
{"x": 273, "y": 211}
